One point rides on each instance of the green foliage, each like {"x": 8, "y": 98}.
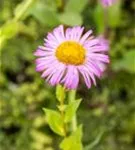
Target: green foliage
{"x": 109, "y": 17}
{"x": 109, "y": 107}
{"x": 9, "y": 30}
{"x": 76, "y": 6}
{"x": 99, "y": 18}
{"x": 126, "y": 63}
{"x": 72, "y": 15}
{"x": 114, "y": 14}
{"x": 71, "y": 109}
{"x": 44, "y": 14}
{"x": 95, "y": 142}
{"x": 55, "y": 121}
{"x": 73, "y": 141}
{"x": 70, "y": 18}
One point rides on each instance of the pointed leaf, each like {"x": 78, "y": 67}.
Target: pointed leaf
{"x": 55, "y": 121}
{"x": 71, "y": 110}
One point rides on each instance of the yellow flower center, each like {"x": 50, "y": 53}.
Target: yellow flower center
{"x": 70, "y": 53}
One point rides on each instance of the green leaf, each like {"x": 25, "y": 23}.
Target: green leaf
{"x": 8, "y": 30}
{"x": 76, "y": 6}
{"x": 60, "y": 93}
{"x": 44, "y": 14}
{"x": 73, "y": 142}
{"x": 70, "y": 18}
{"x": 55, "y": 121}
{"x": 71, "y": 110}
{"x": 126, "y": 63}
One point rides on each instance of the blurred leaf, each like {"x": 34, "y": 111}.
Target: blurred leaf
{"x": 126, "y": 63}
{"x": 76, "y": 6}
{"x": 44, "y": 14}
{"x": 14, "y": 51}
{"x": 70, "y": 18}
{"x": 55, "y": 121}
{"x": 60, "y": 93}
{"x": 71, "y": 110}
{"x": 8, "y": 30}
{"x": 73, "y": 142}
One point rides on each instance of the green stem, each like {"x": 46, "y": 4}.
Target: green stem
{"x": 60, "y": 93}
{"x": 62, "y": 115}
{"x": 71, "y": 98}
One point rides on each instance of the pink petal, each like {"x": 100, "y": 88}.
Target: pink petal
{"x": 71, "y": 78}
{"x": 85, "y": 36}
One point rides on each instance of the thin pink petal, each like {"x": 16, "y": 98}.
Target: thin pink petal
{"x": 71, "y": 78}
{"x": 85, "y": 36}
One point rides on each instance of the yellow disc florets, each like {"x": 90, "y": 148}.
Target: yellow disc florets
{"x": 70, "y": 53}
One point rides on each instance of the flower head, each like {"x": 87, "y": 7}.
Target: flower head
{"x": 68, "y": 54}
{"x": 107, "y": 3}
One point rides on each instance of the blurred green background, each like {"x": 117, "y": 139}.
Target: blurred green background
{"x": 108, "y": 109}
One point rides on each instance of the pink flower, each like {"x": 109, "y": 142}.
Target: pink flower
{"x": 107, "y": 3}
{"x": 68, "y": 54}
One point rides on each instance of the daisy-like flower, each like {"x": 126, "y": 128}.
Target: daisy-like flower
{"x": 107, "y": 3}
{"x": 69, "y": 54}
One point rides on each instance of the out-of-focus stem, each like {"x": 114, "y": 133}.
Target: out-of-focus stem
{"x": 106, "y": 26}
{"x": 21, "y": 12}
